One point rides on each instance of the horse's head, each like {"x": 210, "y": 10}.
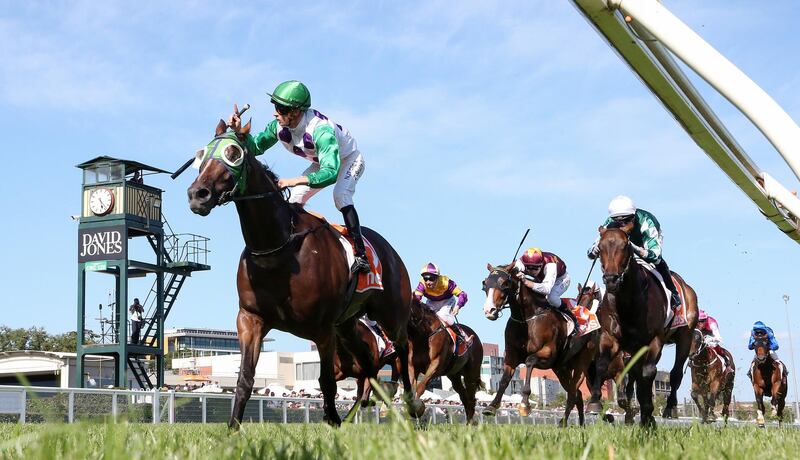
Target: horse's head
{"x": 697, "y": 345}
{"x": 589, "y": 296}
{"x": 223, "y": 165}
{"x": 615, "y": 256}
{"x": 499, "y": 286}
{"x": 761, "y": 347}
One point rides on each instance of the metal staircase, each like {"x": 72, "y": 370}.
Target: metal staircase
{"x": 183, "y": 254}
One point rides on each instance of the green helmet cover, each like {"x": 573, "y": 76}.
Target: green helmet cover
{"x": 293, "y": 94}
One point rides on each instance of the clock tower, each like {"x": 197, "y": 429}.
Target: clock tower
{"x": 117, "y": 207}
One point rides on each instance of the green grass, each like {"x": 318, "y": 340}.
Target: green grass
{"x": 390, "y": 441}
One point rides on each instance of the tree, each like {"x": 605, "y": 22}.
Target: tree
{"x": 37, "y": 338}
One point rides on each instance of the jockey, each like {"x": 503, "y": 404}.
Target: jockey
{"x": 760, "y": 328}
{"x": 331, "y": 149}
{"x": 443, "y": 296}
{"x": 546, "y": 273}
{"x": 376, "y": 328}
{"x": 710, "y": 329}
{"x": 645, "y": 237}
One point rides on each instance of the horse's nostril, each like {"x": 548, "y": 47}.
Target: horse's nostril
{"x": 203, "y": 193}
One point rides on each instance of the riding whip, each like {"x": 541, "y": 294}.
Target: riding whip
{"x": 583, "y": 286}
{"x": 520, "y": 245}
{"x": 189, "y": 163}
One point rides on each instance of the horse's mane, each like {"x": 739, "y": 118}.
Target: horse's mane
{"x": 419, "y": 311}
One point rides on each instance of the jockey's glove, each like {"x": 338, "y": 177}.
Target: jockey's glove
{"x": 593, "y": 252}
{"x": 639, "y": 251}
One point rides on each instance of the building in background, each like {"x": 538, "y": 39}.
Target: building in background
{"x": 57, "y": 369}
{"x": 197, "y": 342}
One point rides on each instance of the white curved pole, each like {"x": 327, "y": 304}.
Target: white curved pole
{"x": 778, "y": 127}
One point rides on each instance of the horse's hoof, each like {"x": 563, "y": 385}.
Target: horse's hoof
{"x": 333, "y": 422}
{"x": 594, "y": 408}
{"x": 489, "y": 411}
{"x": 608, "y": 418}
{"x": 524, "y": 410}
{"x": 416, "y": 408}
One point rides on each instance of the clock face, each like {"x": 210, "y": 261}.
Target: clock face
{"x": 101, "y": 201}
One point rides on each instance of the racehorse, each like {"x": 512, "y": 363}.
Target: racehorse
{"x": 636, "y": 316}
{"x": 710, "y": 381}
{"x": 432, "y": 353}
{"x": 346, "y": 365}
{"x": 769, "y": 379}
{"x": 536, "y": 334}
{"x": 293, "y": 272}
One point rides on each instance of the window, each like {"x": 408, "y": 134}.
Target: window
{"x": 307, "y": 371}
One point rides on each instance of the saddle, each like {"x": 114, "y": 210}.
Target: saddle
{"x": 461, "y": 341}
{"x": 674, "y": 318}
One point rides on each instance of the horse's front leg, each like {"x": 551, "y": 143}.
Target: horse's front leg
{"x": 682, "y": 348}
{"x": 251, "y": 330}
{"x": 644, "y": 382}
{"x": 525, "y": 405}
{"x": 327, "y": 381}
{"x": 508, "y": 371}
{"x": 601, "y": 367}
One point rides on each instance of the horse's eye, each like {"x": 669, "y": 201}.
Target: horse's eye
{"x": 233, "y": 155}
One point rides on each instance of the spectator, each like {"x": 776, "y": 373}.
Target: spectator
{"x": 136, "y": 310}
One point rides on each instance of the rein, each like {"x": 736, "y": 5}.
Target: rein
{"x": 229, "y": 196}
{"x": 507, "y": 304}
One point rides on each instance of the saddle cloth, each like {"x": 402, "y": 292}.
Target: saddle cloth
{"x": 460, "y": 347}
{"x": 680, "y": 314}
{"x": 366, "y": 281}
{"x": 587, "y": 317}
{"x": 384, "y": 347}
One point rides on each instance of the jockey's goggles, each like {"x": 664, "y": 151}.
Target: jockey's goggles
{"x": 428, "y": 277}
{"x": 283, "y": 109}
{"x": 533, "y": 267}
{"x": 623, "y": 219}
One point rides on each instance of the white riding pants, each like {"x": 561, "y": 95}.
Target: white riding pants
{"x": 350, "y": 171}
{"x": 443, "y": 309}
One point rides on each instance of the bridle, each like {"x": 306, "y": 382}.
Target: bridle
{"x": 693, "y": 357}
{"x": 761, "y": 341}
{"x": 240, "y": 185}
{"x": 619, "y": 277}
{"x": 501, "y": 272}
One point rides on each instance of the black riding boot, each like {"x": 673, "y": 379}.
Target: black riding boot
{"x": 350, "y": 215}
{"x": 665, "y": 273}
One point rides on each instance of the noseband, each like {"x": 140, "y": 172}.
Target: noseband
{"x": 507, "y": 294}
{"x": 696, "y": 354}
{"x": 620, "y": 277}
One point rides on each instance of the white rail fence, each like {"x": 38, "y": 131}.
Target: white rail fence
{"x": 46, "y": 404}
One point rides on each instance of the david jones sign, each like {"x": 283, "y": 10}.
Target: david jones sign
{"x": 107, "y": 243}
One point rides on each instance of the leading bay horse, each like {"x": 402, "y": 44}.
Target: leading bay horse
{"x": 634, "y": 312}
{"x": 536, "y": 334}
{"x": 293, "y": 272}
{"x": 710, "y": 379}
{"x": 769, "y": 379}
{"x": 432, "y": 354}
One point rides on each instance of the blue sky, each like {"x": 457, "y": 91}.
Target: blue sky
{"x": 477, "y": 121}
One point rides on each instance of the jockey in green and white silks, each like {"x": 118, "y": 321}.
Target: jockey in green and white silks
{"x": 644, "y": 235}
{"x": 331, "y": 149}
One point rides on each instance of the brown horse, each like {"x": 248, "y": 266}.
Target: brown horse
{"x": 634, "y": 312}
{"x": 710, "y": 380}
{"x": 432, "y": 355}
{"x": 293, "y": 272}
{"x": 536, "y": 334}
{"x": 769, "y": 379}
{"x": 345, "y": 365}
